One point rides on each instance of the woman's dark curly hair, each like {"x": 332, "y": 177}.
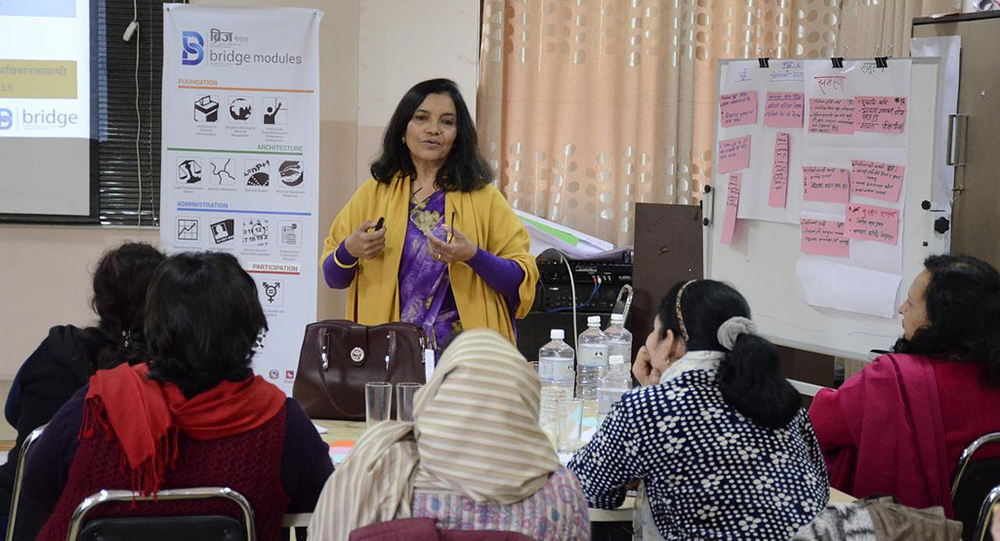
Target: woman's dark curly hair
{"x": 465, "y": 169}
{"x": 120, "y": 283}
{"x": 203, "y": 318}
{"x": 963, "y": 314}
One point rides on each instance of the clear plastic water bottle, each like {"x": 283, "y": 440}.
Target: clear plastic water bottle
{"x": 619, "y": 339}
{"x": 616, "y": 382}
{"x": 555, "y": 369}
{"x": 592, "y": 359}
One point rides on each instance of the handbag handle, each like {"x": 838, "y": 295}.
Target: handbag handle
{"x": 390, "y": 352}
{"x": 324, "y": 348}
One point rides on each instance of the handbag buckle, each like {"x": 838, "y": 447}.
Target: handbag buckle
{"x": 357, "y": 356}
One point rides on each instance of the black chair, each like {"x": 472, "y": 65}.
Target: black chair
{"x": 990, "y": 507}
{"x": 972, "y": 487}
{"x": 187, "y": 527}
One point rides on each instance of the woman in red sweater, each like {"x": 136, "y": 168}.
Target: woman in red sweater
{"x": 899, "y": 426}
{"x": 193, "y": 415}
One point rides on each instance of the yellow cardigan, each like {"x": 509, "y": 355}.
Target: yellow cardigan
{"x": 483, "y": 216}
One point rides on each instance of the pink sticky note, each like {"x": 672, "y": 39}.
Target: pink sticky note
{"x": 866, "y": 222}
{"x": 732, "y": 207}
{"x": 876, "y": 179}
{"x": 824, "y": 237}
{"x": 738, "y": 108}
{"x": 831, "y": 116}
{"x": 880, "y": 114}
{"x": 784, "y": 109}
{"x": 779, "y": 172}
{"x": 734, "y": 154}
{"x": 825, "y": 184}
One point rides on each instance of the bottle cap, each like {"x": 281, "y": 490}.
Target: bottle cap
{"x": 617, "y": 318}
{"x": 616, "y": 359}
{"x": 557, "y": 334}
{"x": 594, "y": 320}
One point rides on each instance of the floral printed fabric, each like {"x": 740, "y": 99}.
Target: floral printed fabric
{"x": 710, "y": 473}
{"x": 557, "y": 512}
{"x": 424, "y": 285}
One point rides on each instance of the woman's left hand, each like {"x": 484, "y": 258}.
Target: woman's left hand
{"x": 460, "y": 249}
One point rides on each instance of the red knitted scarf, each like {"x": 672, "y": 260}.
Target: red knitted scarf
{"x": 145, "y": 416}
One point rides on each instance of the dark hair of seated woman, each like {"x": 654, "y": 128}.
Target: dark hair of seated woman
{"x": 750, "y": 377}
{"x": 962, "y": 303}
{"x": 120, "y": 282}
{"x": 203, "y": 319}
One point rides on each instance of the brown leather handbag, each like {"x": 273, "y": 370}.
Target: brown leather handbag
{"x": 339, "y": 356}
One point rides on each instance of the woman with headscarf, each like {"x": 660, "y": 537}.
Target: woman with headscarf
{"x": 474, "y": 458}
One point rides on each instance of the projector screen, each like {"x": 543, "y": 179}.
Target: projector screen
{"x": 46, "y": 125}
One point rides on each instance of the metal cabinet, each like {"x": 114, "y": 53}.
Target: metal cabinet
{"x": 975, "y": 133}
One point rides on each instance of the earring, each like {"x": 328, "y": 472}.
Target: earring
{"x": 404, "y": 139}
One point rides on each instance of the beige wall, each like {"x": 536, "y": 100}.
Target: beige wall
{"x": 371, "y": 51}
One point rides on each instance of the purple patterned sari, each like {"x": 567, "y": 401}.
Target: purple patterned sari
{"x": 424, "y": 285}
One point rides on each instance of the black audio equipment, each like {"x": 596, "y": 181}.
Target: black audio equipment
{"x": 597, "y": 286}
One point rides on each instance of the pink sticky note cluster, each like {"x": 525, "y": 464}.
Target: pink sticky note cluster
{"x": 868, "y": 222}
{"x": 824, "y": 237}
{"x": 734, "y": 154}
{"x": 732, "y": 207}
{"x": 738, "y": 108}
{"x": 826, "y": 184}
{"x": 880, "y": 114}
{"x": 784, "y": 109}
{"x": 778, "y": 196}
{"x": 877, "y": 180}
{"x": 834, "y": 116}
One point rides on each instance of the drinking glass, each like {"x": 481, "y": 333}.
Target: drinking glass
{"x": 569, "y": 414}
{"x": 405, "y": 391}
{"x": 378, "y": 402}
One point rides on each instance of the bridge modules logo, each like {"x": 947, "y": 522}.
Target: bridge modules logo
{"x": 194, "y": 48}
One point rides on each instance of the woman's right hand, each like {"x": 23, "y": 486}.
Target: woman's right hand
{"x": 364, "y": 244}
{"x": 643, "y": 368}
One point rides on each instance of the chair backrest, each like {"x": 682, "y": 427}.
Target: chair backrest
{"x": 989, "y": 509}
{"x": 972, "y": 484}
{"x": 19, "y": 478}
{"x": 189, "y": 528}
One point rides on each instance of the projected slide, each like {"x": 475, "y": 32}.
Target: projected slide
{"x": 45, "y": 68}
{"x": 45, "y": 107}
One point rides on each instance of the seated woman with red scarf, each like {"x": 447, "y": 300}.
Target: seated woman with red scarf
{"x": 899, "y": 426}
{"x": 194, "y": 415}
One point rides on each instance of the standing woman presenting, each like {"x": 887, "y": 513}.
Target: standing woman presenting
{"x": 428, "y": 240}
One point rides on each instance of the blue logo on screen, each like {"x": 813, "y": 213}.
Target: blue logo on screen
{"x": 194, "y": 50}
{"x": 6, "y": 119}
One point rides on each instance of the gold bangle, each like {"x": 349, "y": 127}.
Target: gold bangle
{"x": 343, "y": 266}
